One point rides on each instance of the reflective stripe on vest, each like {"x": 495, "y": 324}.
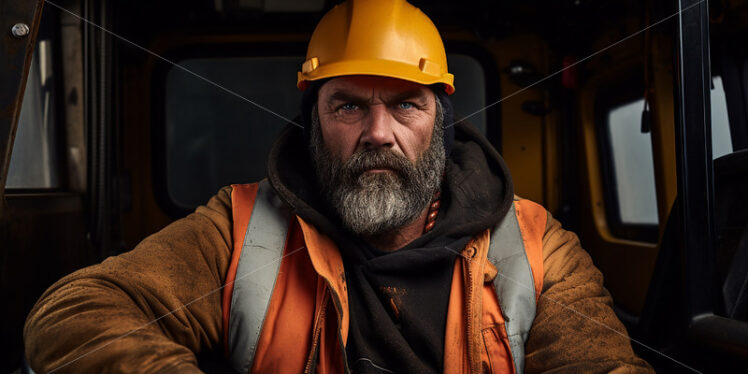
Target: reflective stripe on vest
{"x": 265, "y": 239}
{"x": 256, "y": 273}
{"x": 514, "y": 284}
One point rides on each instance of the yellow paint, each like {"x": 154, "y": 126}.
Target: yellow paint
{"x": 522, "y": 133}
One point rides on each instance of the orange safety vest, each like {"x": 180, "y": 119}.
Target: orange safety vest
{"x": 285, "y": 301}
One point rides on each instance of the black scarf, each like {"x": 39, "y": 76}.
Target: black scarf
{"x": 398, "y": 300}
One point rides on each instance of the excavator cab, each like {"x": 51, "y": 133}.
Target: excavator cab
{"x": 627, "y": 120}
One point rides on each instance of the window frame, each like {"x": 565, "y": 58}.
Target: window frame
{"x": 629, "y": 88}
{"x": 49, "y": 25}
{"x": 281, "y": 49}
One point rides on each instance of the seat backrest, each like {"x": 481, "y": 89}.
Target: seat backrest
{"x": 663, "y": 316}
{"x": 731, "y": 222}
{"x": 735, "y": 287}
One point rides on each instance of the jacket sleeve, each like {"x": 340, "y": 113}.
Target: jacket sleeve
{"x": 147, "y": 310}
{"x": 575, "y": 327}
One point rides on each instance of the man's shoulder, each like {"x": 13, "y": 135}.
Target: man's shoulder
{"x": 228, "y": 192}
{"x": 529, "y": 204}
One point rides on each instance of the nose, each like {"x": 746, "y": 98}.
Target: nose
{"x": 378, "y": 131}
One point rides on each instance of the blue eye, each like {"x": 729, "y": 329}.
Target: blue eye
{"x": 349, "y": 107}
{"x": 406, "y": 105}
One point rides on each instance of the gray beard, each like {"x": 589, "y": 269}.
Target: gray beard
{"x": 372, "y": 204}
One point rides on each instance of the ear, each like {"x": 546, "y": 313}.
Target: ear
{"x": 309, "y": 100}
{"x": 448, "y": 115}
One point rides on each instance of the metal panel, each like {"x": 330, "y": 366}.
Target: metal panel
{"x": 694, "y": 153}
{"x": 16, "y": 49}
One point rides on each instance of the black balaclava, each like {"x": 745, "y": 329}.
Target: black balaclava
{"x": 309, "y": 98}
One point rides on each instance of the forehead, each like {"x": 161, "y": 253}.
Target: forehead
{"x": 368, "y": 85}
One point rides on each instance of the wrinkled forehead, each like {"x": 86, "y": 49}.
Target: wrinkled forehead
{"x": 374, "y": 87}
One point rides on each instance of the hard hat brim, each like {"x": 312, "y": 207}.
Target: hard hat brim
{"x": 382, "y": 68}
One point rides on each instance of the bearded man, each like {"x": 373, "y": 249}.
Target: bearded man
{"x": 386, "y": 239}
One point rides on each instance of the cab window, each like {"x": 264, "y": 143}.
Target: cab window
{"x": 721, "y": 141}
{"x": 213, "y": 138}
{"x": 34, "y": 162}
{"x": 632, "y": 165}
{"x": 631, "y": 199}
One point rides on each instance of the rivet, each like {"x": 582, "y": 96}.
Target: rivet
{"x": 20, "y": 30}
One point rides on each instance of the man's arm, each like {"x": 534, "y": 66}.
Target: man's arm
{"x": 575, "y": 328}
{"x": 117, "y": 316}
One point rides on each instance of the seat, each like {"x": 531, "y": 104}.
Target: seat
{"x": 664, "y": 319}
{"x": 731, "y": 208}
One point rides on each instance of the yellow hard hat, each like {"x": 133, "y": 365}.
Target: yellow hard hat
{"x": 389, "y": 38}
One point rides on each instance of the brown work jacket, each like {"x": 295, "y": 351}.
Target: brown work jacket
{"x": 153, "y": 308}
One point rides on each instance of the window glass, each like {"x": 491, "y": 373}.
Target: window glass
{"x": 633, "y": 165}
{"x": 214, "y": 139}
{"x": 33, "y": 162}
{"x": 290, "y": 5}
{"x": 269, "y": 6}
{"x": 721, "y": 143}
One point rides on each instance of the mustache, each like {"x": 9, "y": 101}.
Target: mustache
{"x": 377, "y": 159}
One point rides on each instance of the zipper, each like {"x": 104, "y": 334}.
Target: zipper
{"x": 346, "y": 369}
{"x": 339, "y": 309}
{"x": 314, "y": 352}
{"x": 308, "y": 368}
{"x": 467, "y": 262}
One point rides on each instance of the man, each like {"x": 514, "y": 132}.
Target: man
{"x": 385, "y": 240}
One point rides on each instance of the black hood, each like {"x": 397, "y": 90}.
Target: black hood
{"x": 477, "y": 191}
{"x": 398, "y": 300}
